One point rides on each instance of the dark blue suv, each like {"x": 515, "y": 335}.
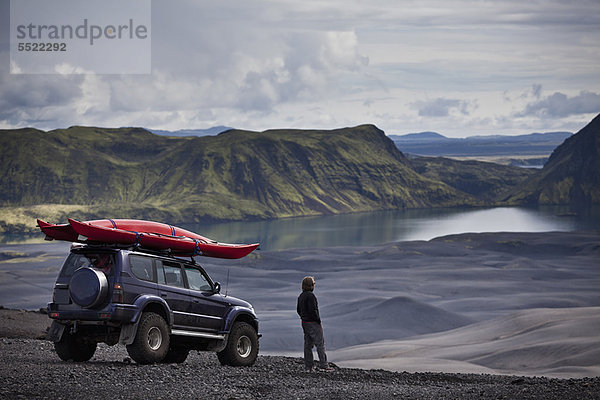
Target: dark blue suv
{"x": 160, "y": 307}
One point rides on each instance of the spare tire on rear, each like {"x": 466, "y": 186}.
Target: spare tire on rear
{"x": 88, "y": 287}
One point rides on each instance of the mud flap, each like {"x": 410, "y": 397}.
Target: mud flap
{"x": 55, "y": 332}
{"x": 128, "y": 332}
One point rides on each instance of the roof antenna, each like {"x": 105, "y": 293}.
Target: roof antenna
{"x": 227, "y": 283}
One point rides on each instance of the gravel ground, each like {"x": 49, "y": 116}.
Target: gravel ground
{"x": 31, "y": 370}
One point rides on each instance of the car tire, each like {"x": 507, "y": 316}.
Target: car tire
{"x": 151, "y": 342}
{"x": 72, "y": 347}
{"x": 176, "y": 356}
{"x": 242, "y": 346}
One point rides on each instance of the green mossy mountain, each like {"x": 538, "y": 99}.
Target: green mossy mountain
{"x": 88, "y": 172}
{"x": 571, "y": 175}
{"x": 486, "y": 181}
{"x": 132, "y": 173}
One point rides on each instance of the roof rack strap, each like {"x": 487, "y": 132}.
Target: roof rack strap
{"x": 138, "y": 238}
{"x": 197, "y": 251}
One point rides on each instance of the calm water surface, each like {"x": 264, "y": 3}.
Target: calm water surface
{"x": 383, "y": 226}
{"x": 387, "y": 226}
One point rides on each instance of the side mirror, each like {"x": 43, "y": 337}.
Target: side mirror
{"x": 217, "y": 288}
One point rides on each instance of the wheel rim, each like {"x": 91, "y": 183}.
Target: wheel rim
{"x": 244, "y": 346}
{"x": 154, "y": 338}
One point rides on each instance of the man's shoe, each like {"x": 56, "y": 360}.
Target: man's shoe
{"x": 325, "y": 369}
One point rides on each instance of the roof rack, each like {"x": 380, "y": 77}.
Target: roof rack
{"x": 133, "y": 247}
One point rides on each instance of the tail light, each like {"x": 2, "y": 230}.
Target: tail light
{"x": 117, "y": 296}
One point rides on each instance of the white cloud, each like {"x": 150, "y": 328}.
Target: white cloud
{"x": 441, "y": 107}
{"x": 560, "y": 105}
{"x": 460, "y": 67}
{"x": 339, "y": 50}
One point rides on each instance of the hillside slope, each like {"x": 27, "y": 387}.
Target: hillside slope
{"x": 571, "y": 175}
{"x": 543, "y": 341}
{"x": 488, "y": 182}
{"x": 130, "y": 172}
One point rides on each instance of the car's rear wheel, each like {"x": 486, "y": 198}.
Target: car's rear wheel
{"x": 242, "y": 346}
{"x": 176, "y": 356}
{"x": 72, "y": 347}
{"x": 151, "y": 342}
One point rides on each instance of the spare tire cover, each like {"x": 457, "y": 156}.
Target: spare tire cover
{"x": 88, "y": 287}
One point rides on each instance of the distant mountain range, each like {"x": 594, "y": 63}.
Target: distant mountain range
{"x": 215, "y": 130}
{"x": 89, "y": 172}
{"x": 435, "y": 144}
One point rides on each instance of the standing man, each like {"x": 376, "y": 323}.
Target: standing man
{"x": 308, "y": 309}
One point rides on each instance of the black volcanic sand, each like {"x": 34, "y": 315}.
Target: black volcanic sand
{"x": 23, "y": 324}
{"x": 502, "y": 303}
{"x": 31, "y": 370}
{"x": 528, "y": 300}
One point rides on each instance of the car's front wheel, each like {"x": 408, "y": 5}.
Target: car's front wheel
{"x": 151, "y": 342}
{"x": 242, "y": 347}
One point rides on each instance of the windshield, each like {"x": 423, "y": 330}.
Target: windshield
{"x": 103, "y": 261}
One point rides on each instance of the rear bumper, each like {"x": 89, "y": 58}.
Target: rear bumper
{"x": 116, "y": 313}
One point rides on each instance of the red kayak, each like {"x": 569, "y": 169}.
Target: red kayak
{"x": 146, "y": 234}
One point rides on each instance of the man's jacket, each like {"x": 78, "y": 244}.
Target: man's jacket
{"x": 308, "y": 308}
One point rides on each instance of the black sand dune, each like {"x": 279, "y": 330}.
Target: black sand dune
{"x": 385, "y": 318}
{"x": 406, "y": 289}
{"x": 560, "y": 342}
{"x": 452, "y": 285}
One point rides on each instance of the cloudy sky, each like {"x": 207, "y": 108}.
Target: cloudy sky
{"x": 458, "y": 67}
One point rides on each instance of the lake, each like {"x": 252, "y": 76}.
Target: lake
{"x": 26, "y": 281}
{"x": 363, "y": 229}
{"x": 387, "y": 226}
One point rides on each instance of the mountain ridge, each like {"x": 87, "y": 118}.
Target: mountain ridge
{"x": 215, "y": 130}
{"x": 132, "y": 173}
{"x": 571, "y": 175}
{"x": 93, "y": 172}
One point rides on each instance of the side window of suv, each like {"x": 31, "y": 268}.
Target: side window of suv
{"x": 196, "y": 280}
{"x": 142, "y": 268}
{"x": 172, "y": 274}
{"x": 160, "y": 273}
